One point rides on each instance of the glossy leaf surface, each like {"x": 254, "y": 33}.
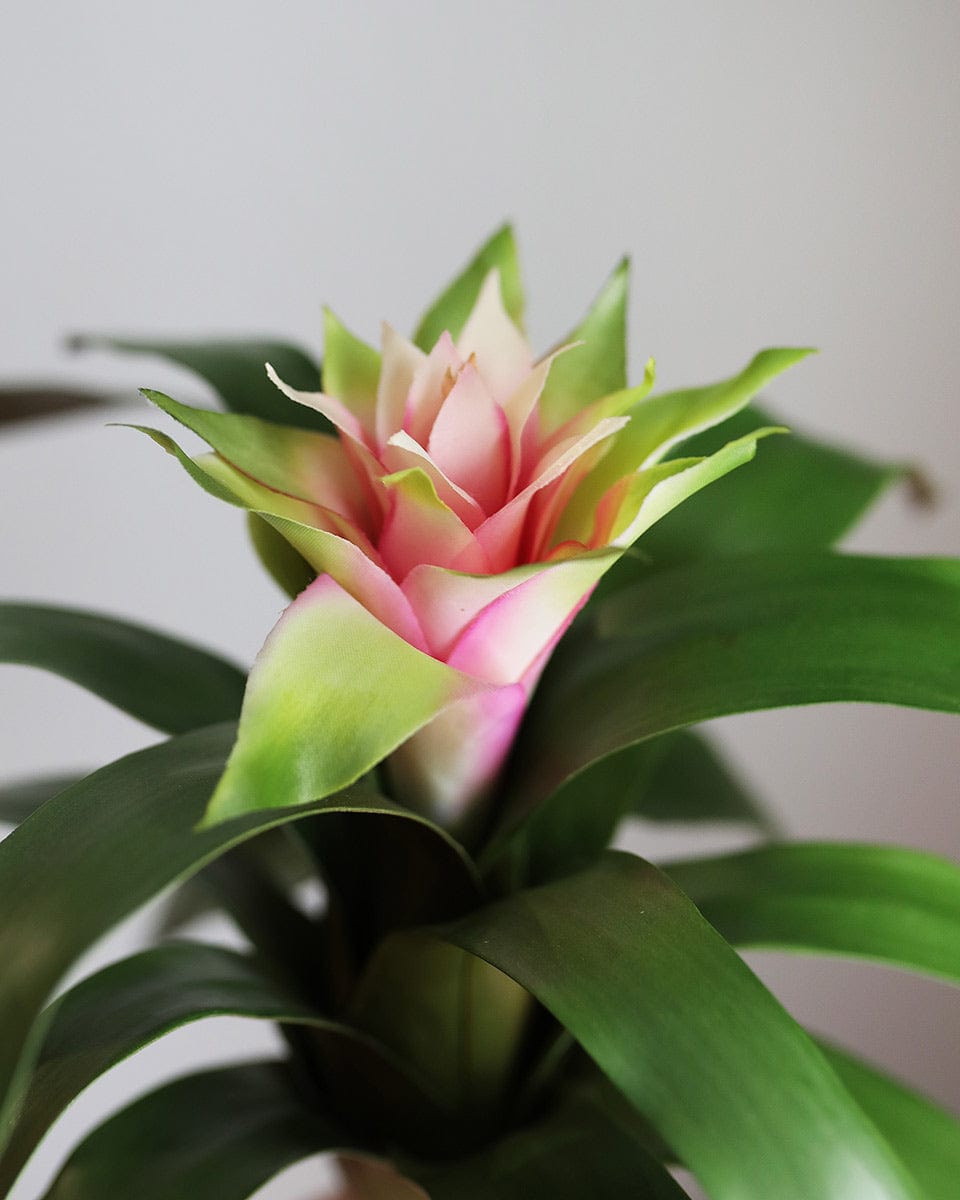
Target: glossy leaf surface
{"x": 690, "y": 1036}
{"x": 712, "y": 638}
{"x": 925, "y": 1137}
{"x": 881, "y": 902}
{"x": 166, "y": 683}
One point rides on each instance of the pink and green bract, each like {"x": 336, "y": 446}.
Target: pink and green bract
{"x": 471, "y": 499}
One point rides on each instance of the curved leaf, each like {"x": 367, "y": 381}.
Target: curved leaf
{"x": 734, "y": 635}
{"x": 451, "y": 309}
{"x": 166, "y": 683}
{"x": 881, "y": 902}
{"x": 676, "y": 777}
{"x": 801, "y": 494}
{"x": 18, "y": 800}
{"x": 925, "y": 1137}
{"x": 288, "y": 568}
{"x": 333, "y": 691}
{"x": 690, "y": 1036}
{"x": 235, "y": 369}
{"x": 218, "y": 1134}
{"x": 98, "y": 851}
{"x": 576, "y": 1152}
{"x": 119, "y": 1010}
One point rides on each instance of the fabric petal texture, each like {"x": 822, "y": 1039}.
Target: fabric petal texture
{"x": 472, "y": 498}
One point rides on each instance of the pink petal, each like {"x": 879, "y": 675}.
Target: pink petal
{"x": 353, "y": 438}
{"x": 420, "y": 528}
{"x": 507, "y": 637}
{"x": 431, "y": 382}
{"x": 333, "y": 409}
{"x": 503, "y": 354}
{"x": 456, "y": 759}
{"x": 353, "y": 568}
{"x": 470, "y": 441}
{"x": 518, "y": 408}
{"x": 447, "y": 601}
{"x": 400, "y": 362}
{"x": 500, "y": 535}
{"x": 402, "y": 452}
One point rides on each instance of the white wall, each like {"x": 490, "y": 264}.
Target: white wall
{"x": 781, "y": 173}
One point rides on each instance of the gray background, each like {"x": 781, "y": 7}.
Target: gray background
{"x": 781, "y": 173}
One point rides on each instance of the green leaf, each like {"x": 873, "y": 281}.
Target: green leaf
{"x": 734, "y": 635}
{"x": 676, "y": 777}
{"x": 459, "y": 1024}
{"x": 332, "y": 693}
{"x": 578, "y": 1151}
{"x": 450, "y": 311}
{"x": 288, "y": 568}
{"x": 386, "y": 874}
{"x": 274, "y": 854}
{"x": 690, "y": 1036}
{"x": 18, "y": 800}
{"x": 658, "y": 423}
{"x": 99, "y": 850}
{"x": 119, "y": 1010}
{"x": 880, "y": 902}
{"x": 599, "y": 366}
{"x": 235, "y": 370}
{"x": 925, "y": 1137}
{"x": 351, "y": 370}
{"x": 161, "y": 681}
{"x": 801, "y": 494}
{"x": 219, "y": 1134}
{"x": 284, "y": 459}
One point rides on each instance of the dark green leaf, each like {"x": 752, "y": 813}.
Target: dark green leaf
{"x": 692, "y": 1038}
{"x": 215, "y": 1136}
{"x": 881, "y": 902}
{"x": 166, "y": 683}
{"x": 676, "y": 777}
{"x": 734, "y": 635}
{"x": 30, "y": 402}
{"x": 18, "y": 800}
{"x": 117, "y": 1011}
{"x": 102, "y": 848}
{"x": 925, "y": 1137}
{"x": 577, "y": 1152}
{"x": 800, "y": 494}
{"x": 235, "y": 371}
{"x": 451, "y": 309}
{"x": 163, "y": 682}
{"x": 275, "y": 854}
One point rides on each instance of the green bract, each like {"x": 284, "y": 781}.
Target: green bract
{"x": 479, "y": 677}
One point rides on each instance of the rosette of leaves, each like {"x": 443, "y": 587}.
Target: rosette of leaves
{"x": 501, "y": 1006}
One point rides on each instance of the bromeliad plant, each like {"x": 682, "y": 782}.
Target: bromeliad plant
{"x": 479, "y": 677}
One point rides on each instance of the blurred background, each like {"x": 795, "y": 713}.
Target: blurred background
{"x": 780, "y": 173}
